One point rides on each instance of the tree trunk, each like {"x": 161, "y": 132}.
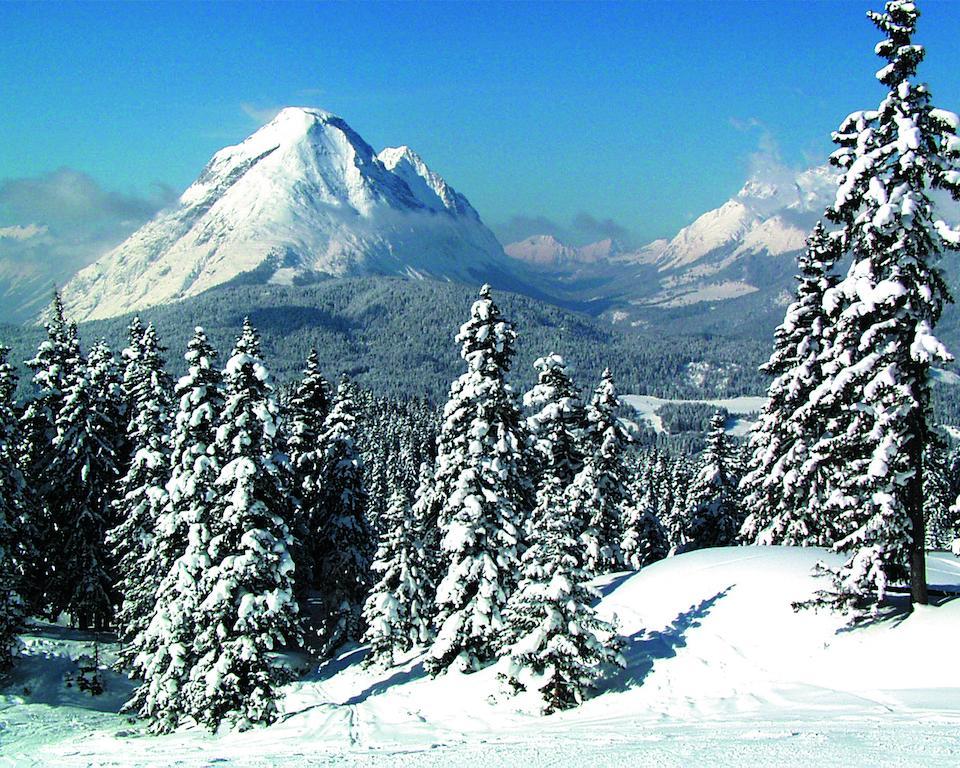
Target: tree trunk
{"x": 914, "y": 496}
{"x": 918, "y": 557}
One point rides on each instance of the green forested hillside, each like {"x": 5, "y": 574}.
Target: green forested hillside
{"x": 396, "y": 336}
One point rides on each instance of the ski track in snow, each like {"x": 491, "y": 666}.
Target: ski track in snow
{"x": 721, "y": 672}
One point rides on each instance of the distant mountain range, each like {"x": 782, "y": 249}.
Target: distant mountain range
{"x": 746, "y": 246}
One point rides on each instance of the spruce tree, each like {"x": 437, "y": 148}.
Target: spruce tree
{"x": 598, "y": 493}
{"x": 396, "y": 612}
{"x": 938, "y": 494}
{"x": 306, "y": 411}
{"x": 79, "y": 480}
{"x": 426, "y": 512}
{"x": 556, "y": 427}
{"x": 783, "y": 483}
{"x": 886, "y": 308}
{"x": 713, "y": 516}
{"x": 57, "y": 364}
{"x": 558, "y": 646}
{"x": 644, "y": 539}
{"x": 479, "y": 494}
{"x": 180, "y": 545}
{"x": 672, "y": 479}
{"x": 147, "y": 390}
{"x": 345, "y": 542}
{"x": 247, "y": 608}
{"x": 12, "y": 546}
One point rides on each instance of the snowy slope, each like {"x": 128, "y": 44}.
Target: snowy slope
{"x": 303, "y": 196}
{"x": 721, "y": 672}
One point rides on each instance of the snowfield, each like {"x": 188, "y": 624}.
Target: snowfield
{"x": 721, "y": 672}
{"x": 738, "y": 408}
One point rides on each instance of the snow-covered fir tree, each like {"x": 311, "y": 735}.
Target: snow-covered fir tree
{"x": 426, "y": 511}
{"x": 180, "y": 543}
{"x": 598, "y": 493}
{"x": 558, "y": 645}
{"x": 878, "y": 367}
{"x": 79, "y": 480}
{"x": 558, "y": 420}
{"x": 248, "y": 609}
{"x": 671, "y": 478}
{"x": 56, "y": 365}
{"x": 396, "y": 612}
{"x": 644, "y": 539}
{"x": 142, "y": 494}
{"x": 938, "y": 493}
{"x": 479, "y": 494}
{"x": 344, "y": 540}
{"x": 305, "y": 415}
{"x": 12, "y": 489}
{"x": 714, "y": 516}
{"x": 783, "y": 485}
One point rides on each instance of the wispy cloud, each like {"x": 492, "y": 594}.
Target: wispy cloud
{"x": 21, "y": 233}
{"x": 259, "y": 115}
{"x": 56, "y": 224}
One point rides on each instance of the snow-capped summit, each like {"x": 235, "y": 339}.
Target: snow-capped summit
{"x": 542, "y": 250}
{"x": 770, "y": 213}
{"x": 428, "y": 187}
{"x": 304, "y": 195}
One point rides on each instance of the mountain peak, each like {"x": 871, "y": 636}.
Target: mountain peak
{"x": 430, "y": 189}
{"x": 302, "y": 196}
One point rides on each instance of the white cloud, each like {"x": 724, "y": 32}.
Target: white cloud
{"x": 260, "y": 115}
{"x": 21, "y": 233}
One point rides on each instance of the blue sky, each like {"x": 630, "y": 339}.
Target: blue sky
{"x": 643, "y": 114}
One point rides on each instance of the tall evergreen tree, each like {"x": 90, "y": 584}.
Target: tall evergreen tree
{"x": 559, "y": 646}
{"x": 396, "y": 612}
{"x": 12, "y": 547}
{"x": 713, "y": 514}
{"x": 479, "y": 492}
{"x": 783, "y": 485}
{"x": 248, "y": 607}
{"x": 185, "y": 526}
{"x": 57, "y": 364}
{"x": 673, "y": 479}
{"x": 147, "y": 390}
{"x": 306, "y": 412}
{"x": 598, "y": 493}
{"x": 886, "y": 308}
{"x": 79, "y": 480}
{"x": 345, "y": 542}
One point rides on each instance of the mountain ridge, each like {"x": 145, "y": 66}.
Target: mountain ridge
{"x": 304, "y": 196}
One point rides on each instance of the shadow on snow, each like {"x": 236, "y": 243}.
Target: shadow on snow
{"x": 642, "y": 649}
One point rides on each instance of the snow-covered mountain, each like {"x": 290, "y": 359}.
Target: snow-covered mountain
{"x": 303, "y": 197}
{"x": 547, "y": 251}
{"x": 746, "y": 246}
{"x": 706, "y": 260}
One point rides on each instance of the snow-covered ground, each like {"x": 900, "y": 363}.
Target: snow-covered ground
{"x": 648, "y": 405}
{"x": 721, "y": 672}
